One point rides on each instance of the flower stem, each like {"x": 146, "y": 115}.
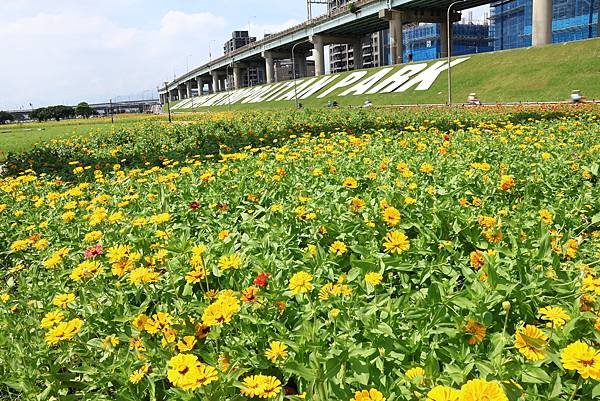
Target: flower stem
{"x": 505, "y": 323}
{"x": 572, "y": 397}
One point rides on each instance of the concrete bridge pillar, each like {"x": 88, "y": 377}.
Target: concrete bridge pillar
{"x": 237, "y": 76}
{"x": 396, "y": 48}
{"x": 357, "y": 52}
{"x": 269, "y": 67}
{"x": 445, "y": 38}
{"x": 300, "y": 60}
{"x": 200, "y": 83}
{"x": 215, "y": 82}
{"x": 541, "y": 29}
{"x": 319, "y": 54}
{"x": 188, "y": 88}
{"x": 172, "y": 94}
{"x": 181, "y": 92}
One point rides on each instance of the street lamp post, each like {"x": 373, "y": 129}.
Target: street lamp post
{"x": 449, "y": 44}
{"x": 294, "y": 73}
{"x": 168, "y": 100}
{"x": 230, "y": 65}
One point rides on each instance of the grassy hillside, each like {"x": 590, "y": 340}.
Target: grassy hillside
{"x": 546, "y": 73}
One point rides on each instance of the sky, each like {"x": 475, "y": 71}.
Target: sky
{"x": 68, "y": 51}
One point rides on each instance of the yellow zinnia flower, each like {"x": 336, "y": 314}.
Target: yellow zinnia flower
{"x": 338, "y": 248}
{"x": 416, "y": 372}
{"x": 396, "y": 242}
{"x": 139, "y": 374}
{"x": 530, "y": 341}
{"x": 230, "y": 262}
{"x": 261, "y": 386}
{"x": 277, "y": 350}
{"x": 581, "y": 357}
{"x": 350, "y": 183}
{"x": 186, "y": 372}
{"x": 391, "y": 216}
{"x": 443, "y": 393}
{"x": 64, "y": 331}
{"x": 300, "y": 283}
{"x": 63, "y": 300}
{"x": 368, "y": 395}
{"x": 373, "y": 278}
{"x": 482, "y": 390}
{"x": 51, "y": 319}
{"x": 557, "y": 316}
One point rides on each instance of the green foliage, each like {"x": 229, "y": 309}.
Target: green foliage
{"x": 53, "y": 113}
{"x": 6, "y": 117}
{"x": 84, "y": 110}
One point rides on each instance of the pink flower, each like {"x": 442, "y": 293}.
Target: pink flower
{"x": 93, "y": 251}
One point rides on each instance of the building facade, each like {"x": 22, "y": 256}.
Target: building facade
{"x": 422, "y": 41}
{"x": 341, "y": 56}
{"x": 238, "y": 39}
{"x": 571, "y": 20}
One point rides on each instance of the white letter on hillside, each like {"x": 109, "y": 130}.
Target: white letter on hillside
{"x": 287, "y": 85}
{"x": 259, "y": 97}
{"x": 427, "y": 77}
{"x": 366, "y": 83}
{"x": 300, "y": 86}
{"x": 318, "y": 86}
{"x": 398, "y": 78}
{"x": 349, "y": 80}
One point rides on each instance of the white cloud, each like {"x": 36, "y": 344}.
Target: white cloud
{"x": 68, "y": 57}
{"x": 66, "y": 51}
{"x": 260, "y": 30}
{"x": 177, "y": 23}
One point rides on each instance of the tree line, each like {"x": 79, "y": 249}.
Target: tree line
{"x": 61, "y": 112}
{"x": 57, "y": 113}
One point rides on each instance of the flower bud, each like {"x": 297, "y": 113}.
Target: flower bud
{"x": 506, "y": 306}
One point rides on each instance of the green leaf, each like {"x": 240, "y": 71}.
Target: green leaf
{"x": 301, "y": 371}
{"x": 385, "y": 329}
{"x": 556, "y": 387}
{"x": 532, "y": 374}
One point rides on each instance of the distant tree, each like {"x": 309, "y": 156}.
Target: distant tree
{"x": 40, "y": 114}
{"x": 6, "y": 117}
{"x": 60, "y": 112}
{"x": 52, "y": 113}
{"x": 84, "y": 110}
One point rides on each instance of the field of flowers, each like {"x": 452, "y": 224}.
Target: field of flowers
{"x": 335, "y": 255}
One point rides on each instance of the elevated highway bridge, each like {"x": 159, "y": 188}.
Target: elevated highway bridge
{"x": 346, "y": 24}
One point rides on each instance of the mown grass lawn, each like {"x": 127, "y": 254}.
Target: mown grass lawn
{"x": 23, "y": 136}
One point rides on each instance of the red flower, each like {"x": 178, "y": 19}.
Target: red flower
{"x": 446, "y": 137}
{"x": 93, "y": 251}
{"x": 194, "y": 205}
{"x": 262, "y": 279}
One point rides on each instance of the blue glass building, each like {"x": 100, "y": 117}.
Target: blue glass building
{"x": 571, "y": 20}
{"x": 423, "y": 41}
